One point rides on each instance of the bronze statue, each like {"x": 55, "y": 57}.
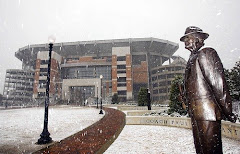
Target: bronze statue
{"x": 206, "y": 93}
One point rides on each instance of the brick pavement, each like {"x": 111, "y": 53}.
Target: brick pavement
{"x": 93, "y": 139}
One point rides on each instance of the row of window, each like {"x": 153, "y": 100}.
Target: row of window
{"x": 15, "y": 81}
{"x": 121, "y": 84}
{"x": 121, "y": 66}
{"x": 160, "y": 91}
{"x": 41, "y": 94}
{"x": 163, "y": 83}
{"x": 12, "y": 92}
{"x": 121, "y": 79}
{"x": 43, "y": 69}
{"x": 87, "y": 72}
{"x": 18, "y": 84}
{"x": 43, "y": 74}
{"x": 18, "y": 74}
{"x": 121, "y": 71}
{"x": 19, "y": 78}
{"x": 121, "y": 58}
{"x": 177, "y": 68}
{"x": 44, "y": 62}
{"x": 14, "y": 99}
{"x": 108, "y": 59}
{"x": 122, "y": 92}
{"x": 17, "y": 94}
{"x": 23, "y": 88}
{"x": 160, "y": 98}
{"x": 165, "y": 76}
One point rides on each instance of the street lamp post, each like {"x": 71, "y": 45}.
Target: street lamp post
{"x": 45, "y": 135}
{"x": 101, "y": 112}
{"x": 148, "y": 99}
{"x": 97, "y": 96}
{"x": 6, "y": 103}
{"x": 84, "y": 96}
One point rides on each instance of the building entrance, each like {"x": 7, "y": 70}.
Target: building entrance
{"x": 73, "y": 89}
{"x": 79, "y": 95}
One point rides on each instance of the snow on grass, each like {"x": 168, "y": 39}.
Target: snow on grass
{"x": 161, "y": 140}
{"x": 21, "y": 128}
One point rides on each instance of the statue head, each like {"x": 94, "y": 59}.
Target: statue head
{"x": 194, "y": 38}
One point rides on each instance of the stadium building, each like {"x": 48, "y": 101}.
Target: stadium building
{"x": 126, "y": 65}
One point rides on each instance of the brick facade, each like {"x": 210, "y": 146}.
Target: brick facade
{"x": 114, "y": 74}
{"x": 140, "y": 73}
{"x": 55, "y": 87}
{"x": 129, "y": 73}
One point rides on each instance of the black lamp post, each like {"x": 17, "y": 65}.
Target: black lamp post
{"x": 84, "y": 96}
{"x": 97, "y": 95}
{"x": 148, "y": 99}
{"x": 6, "y": 103}
{"x": 45, "y": 135}
{"x": 101, "y": 112}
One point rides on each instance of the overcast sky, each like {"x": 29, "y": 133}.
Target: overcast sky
{"x": 24, "y": 22}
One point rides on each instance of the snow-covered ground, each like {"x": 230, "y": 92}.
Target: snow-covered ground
{"x": 161, "y": 140}
{"x": 20, "y": 128}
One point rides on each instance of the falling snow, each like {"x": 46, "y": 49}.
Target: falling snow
{"x": 219, "y": 13}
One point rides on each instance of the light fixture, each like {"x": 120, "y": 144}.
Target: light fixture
{"x": 51, "y": 39}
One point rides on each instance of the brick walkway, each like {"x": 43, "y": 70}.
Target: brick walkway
{"x": 93, "y": 139}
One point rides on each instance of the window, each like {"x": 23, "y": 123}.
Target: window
{"x": 155, "y": 98}
{"x": 121, "y": 66}
{"x": 44, "y": 62}
{"x": 43, "y": 74}
{"x": 155, "y": 85}
{"x": 121, "y": 84}
{"x": 42, "y": 84}
{"x": 41, "y": 94}
{"x": 43, "y": 69}
{"x": 162, "y": 77}
{"x": 122, "y": 71}
{"x": 155, "y": 91}
{"x": 178, "y": 68}
{"x": 121, "y": 79}
{"x": 122, "y": 92}
{"x": 170, "y": 76}
{"x": 162, "y": 83}
{"x": 162, "y": 91}
{"x": 154, "y": 71}
{"x": 121, "y": 58}
{"x": 154, "y": 78}
{"x": 161, "y": 70}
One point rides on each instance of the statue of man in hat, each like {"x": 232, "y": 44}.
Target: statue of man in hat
{"x": 206, "y": 93}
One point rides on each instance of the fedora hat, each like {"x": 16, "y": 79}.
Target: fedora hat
{"x": 194, "y": 30}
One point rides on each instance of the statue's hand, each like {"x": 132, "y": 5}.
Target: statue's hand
{"x": 232, "y": 118}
